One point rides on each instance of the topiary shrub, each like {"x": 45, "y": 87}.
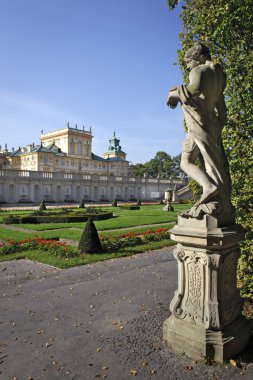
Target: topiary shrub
{"x": 89, "y": 241}
{"x": 114, "y": 203}
{"x": 138, "y": 203}
{"x": 81, "y": 204}
{"x": 42, "y": 206}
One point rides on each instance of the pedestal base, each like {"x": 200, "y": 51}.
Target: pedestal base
{"x": 198, "y": 342}
{"x": 168, "y": 208}
{"x": 206, "y": 309}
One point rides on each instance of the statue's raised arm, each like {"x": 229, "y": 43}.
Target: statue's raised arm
{"x": 205, "y": 115}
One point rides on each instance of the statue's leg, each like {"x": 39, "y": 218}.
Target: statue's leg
{"x": 188, "y": 165}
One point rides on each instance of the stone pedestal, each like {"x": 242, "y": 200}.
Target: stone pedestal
{"x": 206, "y": 317}
{"x": 168, "y": 207}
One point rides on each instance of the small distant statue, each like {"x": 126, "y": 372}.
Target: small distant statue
{"x": 205, "y": 115}
{"x": 168, "y": 200}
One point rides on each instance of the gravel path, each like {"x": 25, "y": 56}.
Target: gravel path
{"x": 96, "y": 321}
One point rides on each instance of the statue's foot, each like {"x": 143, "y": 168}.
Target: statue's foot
{"x": 208, "y": 195}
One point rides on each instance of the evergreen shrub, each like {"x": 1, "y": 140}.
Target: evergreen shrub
{"x": 114, "y": 203}
{"x": 89, "y": 241}
{"x": 81, "y": 205}
{"x": 42, "y": 206}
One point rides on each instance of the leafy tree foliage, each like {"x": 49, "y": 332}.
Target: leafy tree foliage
{"x": 138, "y": 169}
{"x": 225, "y": 26}
{"x": 162, "y": 166}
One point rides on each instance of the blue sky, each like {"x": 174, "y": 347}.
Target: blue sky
{"x": 107, "y": 64}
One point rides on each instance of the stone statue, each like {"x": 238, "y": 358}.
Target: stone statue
{"x": 205, "y": 113}
{"x": 206, "y": 310}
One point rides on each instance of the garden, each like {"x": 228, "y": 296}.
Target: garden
{"x": 127, "y": 232}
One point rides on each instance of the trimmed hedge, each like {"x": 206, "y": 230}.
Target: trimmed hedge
{"x": 90, "y": 241}
{"x": 82, "y": 204}
{"x": 42, "y": 206}
{"x": 130, "y": 207}
{"x": 114, "y": 203}
{"x": 37, "y": 219}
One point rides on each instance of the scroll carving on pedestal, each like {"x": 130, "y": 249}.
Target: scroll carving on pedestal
{"x": 189, "y": 299}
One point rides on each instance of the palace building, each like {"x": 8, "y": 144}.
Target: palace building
{"x": 63, "y": 168}
{"x": 67, "y": 150}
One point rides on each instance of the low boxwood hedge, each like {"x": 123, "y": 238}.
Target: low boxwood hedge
{"x": 55, "y": 218}
{"x": 130, "y": 207}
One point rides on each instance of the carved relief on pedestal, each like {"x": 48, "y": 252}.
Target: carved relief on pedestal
{"x": 231, "y": 301}
{"x": 213, "y": 305}
{"x": 207, "y": 294}
{"x": 189, "y": 300}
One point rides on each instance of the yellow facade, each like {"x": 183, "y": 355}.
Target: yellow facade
{"x": 67, "y": 150}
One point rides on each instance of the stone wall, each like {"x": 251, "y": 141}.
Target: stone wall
{"x": 33, "y": 186}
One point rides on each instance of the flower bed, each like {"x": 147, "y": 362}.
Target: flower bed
{"x": 52, "y": 246}
{"x": 130, "y": 239}
{"x": 109, "y": 243}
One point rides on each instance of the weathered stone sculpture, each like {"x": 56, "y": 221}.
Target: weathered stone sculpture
{"x": 168, "y": 200}
{"x": 205, "y": 115}
{"x": 206, "y": 317}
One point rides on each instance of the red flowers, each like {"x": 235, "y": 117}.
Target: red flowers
{"x": 133, "y": 233}
{"x": 113, "y": 242}
{"x": 50, "y": 245}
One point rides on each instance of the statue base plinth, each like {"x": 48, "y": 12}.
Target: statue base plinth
{"x": 206, "y": 310}
{"x": 198, "y": 342}
{"x": 168, "y": 208}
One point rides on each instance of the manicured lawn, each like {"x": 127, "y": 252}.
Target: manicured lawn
{"x": 17, "y": 235}
{"x": 70, "y": 234}
{"x": 150, "y": 214}
{"x": 63, "y": 263}
{"x": 131, "y": 220}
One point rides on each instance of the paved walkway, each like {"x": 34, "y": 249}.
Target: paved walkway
{"x": 94, "y": 322}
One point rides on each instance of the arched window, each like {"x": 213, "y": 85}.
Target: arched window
{"x": 79, "y": 148}
{"x": 72, "y": 149}
{"x": 11, "y": 193}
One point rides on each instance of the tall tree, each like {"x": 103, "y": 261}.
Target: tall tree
{"x": 225, "y": 26}
{"x": 138, "y": 169}
{"x": 162, "y": 166}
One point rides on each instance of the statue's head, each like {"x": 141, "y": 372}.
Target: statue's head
{"x": 197, "y": 55}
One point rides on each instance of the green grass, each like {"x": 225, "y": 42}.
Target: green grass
{"x": 66, "y": 233}
{"x": 150, "y": 214}
{"x": 17, "y": 235}
{"x": 63, "y": 263}
{"x": 7, "y": 213}
{"x": 127, "y": 219}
